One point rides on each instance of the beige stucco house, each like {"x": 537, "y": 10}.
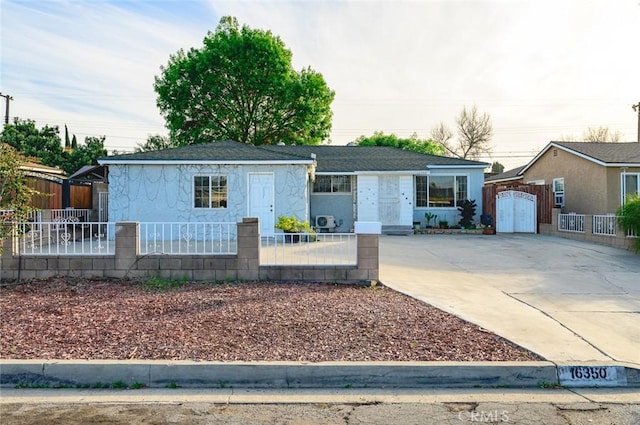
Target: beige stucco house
{"x": 587, "y": 177}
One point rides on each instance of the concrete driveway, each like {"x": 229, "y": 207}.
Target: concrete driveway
{"x": 565, "y": 300}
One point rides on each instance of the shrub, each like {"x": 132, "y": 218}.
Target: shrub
{"x": 467, "y": 210}
{"x": 291, "y": 224}
{"x": 629, "y": 217}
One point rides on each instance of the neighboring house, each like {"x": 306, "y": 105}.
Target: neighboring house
{"x": 586, "y": 177}
{"x": 225, "y": 181}
{"x": 508, "y": 177}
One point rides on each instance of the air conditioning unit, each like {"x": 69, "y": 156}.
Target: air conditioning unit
{"x": 326, "y": 222}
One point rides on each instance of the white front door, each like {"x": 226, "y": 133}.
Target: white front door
{"x": 389, "y": 200}
{"x": 261, "y": 201}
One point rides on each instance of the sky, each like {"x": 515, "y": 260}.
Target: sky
{"x": 542, "y": 69}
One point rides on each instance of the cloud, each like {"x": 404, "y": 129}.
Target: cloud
{"x": 541, "y": 69}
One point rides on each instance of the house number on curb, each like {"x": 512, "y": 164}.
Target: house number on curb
{"x": 592, "y": 376}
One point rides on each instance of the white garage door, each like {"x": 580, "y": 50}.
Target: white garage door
{"x": 516, "y": 212}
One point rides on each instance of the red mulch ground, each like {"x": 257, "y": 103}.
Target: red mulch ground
{"x": 105, "y": 319}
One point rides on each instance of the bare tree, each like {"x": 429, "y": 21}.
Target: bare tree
{"x": 601, "y": 134}
{"x": 441, "y": 134}
{"x": 592, "y": 134}
{"x": 474, "y": 135}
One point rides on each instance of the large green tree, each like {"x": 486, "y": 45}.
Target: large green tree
{"x": 412, "y": 143}
{"x": 86, "y": 154}
{"x": 156, "y": 142}
{"x": 45, "y": 144}
{"x": 26, "y": 138}
{"x": 241, "y": 85}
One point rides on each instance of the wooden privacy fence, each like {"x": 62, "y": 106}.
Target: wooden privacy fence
{"x": 544, "y": 195}
{"x": 50, "y": 194}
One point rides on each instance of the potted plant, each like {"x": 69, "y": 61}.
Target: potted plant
{"x": 292, "y": 225}
{"x": 443, "y": 224}
{"x": 467, "y": 210}
{"x": 428, "y": 218}
{"x": 488, "y": 230}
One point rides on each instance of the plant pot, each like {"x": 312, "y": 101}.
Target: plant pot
{"x": 488, "y": 231}
{"x": 291, "y": 238}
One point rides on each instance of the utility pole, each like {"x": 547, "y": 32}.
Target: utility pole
{"x": 636, "y": 107}
{"x": 7, "y": 99}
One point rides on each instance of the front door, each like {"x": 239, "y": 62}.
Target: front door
{"x": 261, "y": 201}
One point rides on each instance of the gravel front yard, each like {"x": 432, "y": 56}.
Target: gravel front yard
{"x": 102, "y": 319}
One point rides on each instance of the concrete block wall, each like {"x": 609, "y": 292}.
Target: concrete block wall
{"x": 128, "y": 263}
{"x": 618, "y": 241}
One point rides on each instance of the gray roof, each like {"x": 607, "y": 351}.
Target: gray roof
{"x": 512, "y": 174}
{"x": 338, "y": 159}
{"x": 226, "y": 150}
{"x": 610, "y": 153}
{"x": 347, "y": 159}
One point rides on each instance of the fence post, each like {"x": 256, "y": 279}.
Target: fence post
{"x": 7, "y": 260}
{"x": 248, "y": 249}
{"x": 126, "y": 251}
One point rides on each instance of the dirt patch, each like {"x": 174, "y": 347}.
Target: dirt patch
{"x": 105, "y": 319}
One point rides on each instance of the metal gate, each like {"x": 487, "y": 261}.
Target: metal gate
{"x": 516, "y": 212}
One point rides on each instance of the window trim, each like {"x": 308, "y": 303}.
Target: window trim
{"x": 332, "y": 185}
{"x": 623, "y": 184}
{"x": 210, "y": 178}
{"x": 557, "y": 194}
{"x": 455, "y": 191}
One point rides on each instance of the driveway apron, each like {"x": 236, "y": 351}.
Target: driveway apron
{"x": 562, "y": 299}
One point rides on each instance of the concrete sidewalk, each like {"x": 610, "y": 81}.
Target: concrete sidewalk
{"x": 564, "y": 300}
{"x": 343, "y": 395}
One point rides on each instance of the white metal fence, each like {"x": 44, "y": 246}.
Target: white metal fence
{"x": 80, "y": 214}
{"x": 188, "y": 238}
{"x": 571, "y": 223}
{"x": 309, "y": 249}
{"x": 63, "y": 237}
{"x": 604, "y": 225}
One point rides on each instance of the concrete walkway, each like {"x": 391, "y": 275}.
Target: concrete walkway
{"x": 565, "y": 300}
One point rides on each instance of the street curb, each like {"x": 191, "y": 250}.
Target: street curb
{"x": 191, "y": 374}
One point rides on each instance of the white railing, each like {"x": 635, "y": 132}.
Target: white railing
{"x": 604, "y": 225}
{"x": 64, "y": 214}
{"x": 65, "y": 238}
{"x": 309, "y": 249}
{"x": 6, "y": 215}
{"x": 188, "y": 238}
{"x": 571, "y": 223}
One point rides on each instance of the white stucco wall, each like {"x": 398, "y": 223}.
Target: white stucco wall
{"x": 164, "y": 193}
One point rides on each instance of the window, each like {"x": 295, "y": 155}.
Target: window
{"x": 558, "y": 192}
{"x": 332, "y": 184}
{"x": 210, "y": 192}
{"x": 441, "y": 191}
{"x": 630, "y": 185}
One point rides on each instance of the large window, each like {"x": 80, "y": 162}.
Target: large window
{"x": 210, "y": 192}
{"x": 332, "y": 184}
{"x": 630, "y": 185}
{"x": 558, "y": 191}
{"x": 441, "y": 191}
